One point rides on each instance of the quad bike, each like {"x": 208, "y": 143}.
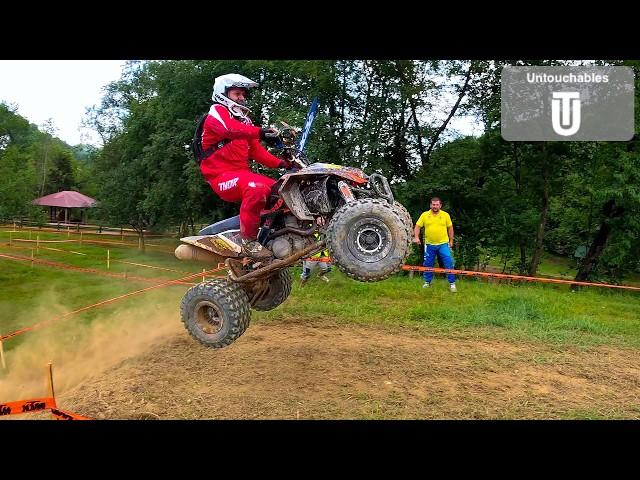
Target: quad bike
{"x": 367, "y": 233}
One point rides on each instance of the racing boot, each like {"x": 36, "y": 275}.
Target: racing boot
{"x": 253, "y": 249}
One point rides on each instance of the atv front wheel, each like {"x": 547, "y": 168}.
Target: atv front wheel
{"x": 406, "y": 216}
{"x": 403, "y": 211}
{"x": 369, "y": 239}
{"x": 278, "y": 289}
{"x": 215, "y": 312}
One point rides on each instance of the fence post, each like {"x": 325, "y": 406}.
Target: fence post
{"x": 108, "y": 259}
{"x": 80, "y": 238}
{"x": 203, "y": 279}
{"x": 38, "y": 243}
{"x": 4, "y": 365}
{"x": 10, "y": 237}
{"x": 51, "y": 390}
{"x": 32, "y": 258}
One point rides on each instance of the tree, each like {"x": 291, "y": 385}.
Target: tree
{"x": 62, "y": 176}
{"x": 510, "y": 200}
{"x": 17, "y": 185}
{"x": 49, "y": 129}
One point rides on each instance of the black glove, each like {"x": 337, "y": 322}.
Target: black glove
{"x": 286, "y": 164}
{"x": 269, "y": 135}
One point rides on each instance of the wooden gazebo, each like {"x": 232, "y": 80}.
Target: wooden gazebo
{"x": 61, "y": 203}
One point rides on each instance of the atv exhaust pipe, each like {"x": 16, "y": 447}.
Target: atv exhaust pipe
{"x": 194, "y": 254}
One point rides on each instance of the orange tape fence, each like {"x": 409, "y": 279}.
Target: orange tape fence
{"x": 514, "y": 277}
{"x": 404, "y": 267}
{"x": 34, "y": 405}
{"x": 498, "y": 275}
{"x": 63, "y": 415}
{"x": 27, "y": 406}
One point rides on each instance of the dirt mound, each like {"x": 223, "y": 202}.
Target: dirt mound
{"x": 290, "y": 370}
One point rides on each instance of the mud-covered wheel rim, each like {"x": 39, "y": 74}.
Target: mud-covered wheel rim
{"x": 209, "y": 317}
{"x": 370, "y": 240}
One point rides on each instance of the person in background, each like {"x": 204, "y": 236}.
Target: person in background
{"x": 438, "y": 241}
{"x": 321, "y": 261}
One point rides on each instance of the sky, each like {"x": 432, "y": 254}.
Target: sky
{"x": 63, "y": 89}
{"x": 58, "y": 89}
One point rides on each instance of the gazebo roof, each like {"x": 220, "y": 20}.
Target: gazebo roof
{"x": 66, "y": 199}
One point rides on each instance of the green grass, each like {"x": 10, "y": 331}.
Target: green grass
{"x": 564, "y": 267}
{"x": 95, "y": 255}
{"x": 605, "y": 414}
{"x": 521, "y": 312}
{"x": 550, "y": 265}
{"x": 557, "y": 266}
{"x": 30, "y": 295}
{"x": 515, "y": 311}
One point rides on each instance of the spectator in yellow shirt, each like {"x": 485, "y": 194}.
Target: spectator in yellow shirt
{"x": 438, "y": 240}
{"x": 319, "y": 260}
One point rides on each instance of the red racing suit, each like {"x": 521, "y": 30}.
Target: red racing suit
{"x": 227, "y": 168}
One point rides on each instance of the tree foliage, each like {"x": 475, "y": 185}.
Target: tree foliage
{"x": 510, "y": 201}
{"x": 33, "y": 163}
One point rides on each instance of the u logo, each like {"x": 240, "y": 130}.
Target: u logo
{"x": 565, "y": 113}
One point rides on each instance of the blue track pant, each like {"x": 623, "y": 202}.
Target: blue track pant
{"x": 443, "y": 252}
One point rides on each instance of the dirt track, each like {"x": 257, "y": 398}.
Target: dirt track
{"x": 290, "y": 370}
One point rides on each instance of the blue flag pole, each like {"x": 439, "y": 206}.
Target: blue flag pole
{"x": 311, "y": 115}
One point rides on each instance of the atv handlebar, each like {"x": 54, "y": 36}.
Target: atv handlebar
{"x": 295, "y": 157}
{"x": 286, "y": 139}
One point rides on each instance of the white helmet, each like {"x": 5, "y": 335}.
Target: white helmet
{"x": 223, "y": 83}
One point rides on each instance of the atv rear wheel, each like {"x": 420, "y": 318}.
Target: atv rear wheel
{"x": 369, "y": 239}
{"x": 278, "y": 289}
{"x": 215, "y": 312}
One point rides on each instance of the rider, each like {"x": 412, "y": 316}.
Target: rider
{"x": 234, "y": 140}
